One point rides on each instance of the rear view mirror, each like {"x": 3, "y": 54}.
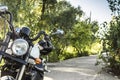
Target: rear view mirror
{"x": 3, "y": 8}
{"x": 58, "y": 32}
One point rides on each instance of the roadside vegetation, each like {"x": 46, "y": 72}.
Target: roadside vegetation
{"x": 111, "y": 39}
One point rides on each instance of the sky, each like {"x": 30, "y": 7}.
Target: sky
{"x": 99, "y": 9}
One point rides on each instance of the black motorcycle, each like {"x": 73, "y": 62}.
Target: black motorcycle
{"x": 22, "y": 59}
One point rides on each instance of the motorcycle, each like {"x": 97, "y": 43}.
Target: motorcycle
{"x": 22, "y": 59}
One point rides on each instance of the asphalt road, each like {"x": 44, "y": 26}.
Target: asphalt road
{"x": 82, "y": 68}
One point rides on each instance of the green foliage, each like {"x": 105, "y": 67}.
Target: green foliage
{"x": 49, "y": 14}
{"x": 114, "y": 6}
{"x": 2, "y": 29}
{"x": 82, "y": 36}
{"x": 111, "y": 41}
{"x": 53, "y": 57}
{"x": 111, "y": 44}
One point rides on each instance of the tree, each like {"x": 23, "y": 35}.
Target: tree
{"x": 50, "y": 14}
{"x": 111, "y": 41}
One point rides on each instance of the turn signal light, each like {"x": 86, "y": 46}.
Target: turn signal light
{"x": 38, "y": 61}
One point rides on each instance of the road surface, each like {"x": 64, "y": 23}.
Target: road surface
{"x": 82, "y": 68}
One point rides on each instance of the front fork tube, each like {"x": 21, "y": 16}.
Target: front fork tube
{"x": 22, "y": 70}
{"x": 4, "y": 46}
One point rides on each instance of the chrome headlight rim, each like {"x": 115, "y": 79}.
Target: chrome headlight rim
{"x": 6, "y": 78}
{"x": 19, "y": 44}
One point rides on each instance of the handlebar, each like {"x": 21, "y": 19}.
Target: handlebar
{"x": 10, "y": 20}
{"x": 46, "y": 37}
{"x": 38, "y": 35}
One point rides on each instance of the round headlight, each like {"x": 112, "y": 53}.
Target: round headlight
{"x": 20, "y": 47}
{"x": 7, "y": 78}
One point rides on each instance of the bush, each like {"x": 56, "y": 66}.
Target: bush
{"x": 53, "y": 57}
{"x": 67, "y": 55}
{"x": 85, "y": 53}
